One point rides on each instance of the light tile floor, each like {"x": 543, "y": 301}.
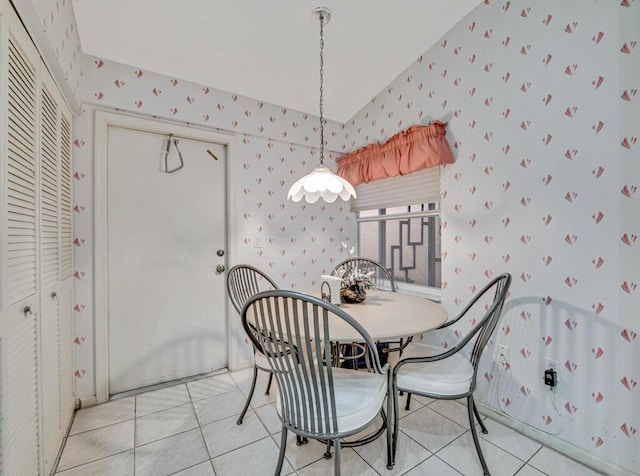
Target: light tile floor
{"x": 190, "y": 430}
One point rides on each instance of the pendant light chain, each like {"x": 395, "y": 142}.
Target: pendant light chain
{"x": 321, "y": 182}
{"x": 321, "y": 89}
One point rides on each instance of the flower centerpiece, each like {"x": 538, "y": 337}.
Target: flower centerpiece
{"x": 355, "y": 281}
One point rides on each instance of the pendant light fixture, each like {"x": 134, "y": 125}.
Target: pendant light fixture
{"x": 321, "y": 182}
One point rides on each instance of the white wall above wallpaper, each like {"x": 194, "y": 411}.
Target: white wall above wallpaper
{"x": 542, "y": 109}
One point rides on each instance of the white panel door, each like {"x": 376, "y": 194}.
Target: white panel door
{"x": 166, "y": 301}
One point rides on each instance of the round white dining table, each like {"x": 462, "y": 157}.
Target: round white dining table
{"x": 387, "y": 315}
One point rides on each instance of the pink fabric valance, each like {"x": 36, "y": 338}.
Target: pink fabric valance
{"x": 419, "y": 147}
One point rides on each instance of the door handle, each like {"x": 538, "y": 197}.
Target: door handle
{"x": 220, "y": 268}
{"x": 27, "y": 311}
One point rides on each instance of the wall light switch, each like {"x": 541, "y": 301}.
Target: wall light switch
{"x": 257, "y": 241}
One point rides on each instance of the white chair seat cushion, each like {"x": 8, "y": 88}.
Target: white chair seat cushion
{"x": 359, "y": 397}
{"x": 450, "y": 376}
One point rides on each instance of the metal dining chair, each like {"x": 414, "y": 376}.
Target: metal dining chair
{"x": 366, "y": 264}
{"x": 315, "y": 400}
{"x": 352, "y": 353}
{"x": 446, "y": 374}
{"x": 243, "y": 282}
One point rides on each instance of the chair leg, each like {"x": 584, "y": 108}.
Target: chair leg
{"x": 474, "y": 433}
{"x": 269, "y": 383}
{"x": 336, "y": 461}
{"x": 475, "y": 411}
{"x": 407, "y": 406}
{"x": 391, "y": 417}
{"x": 283, "y": 448}
{"x": 327, "y": 453}
{"x": 301, "y": 440}
{"x": 246, "y": 404}
{"x": 396, "y": 424}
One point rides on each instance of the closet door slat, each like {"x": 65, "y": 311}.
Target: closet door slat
{"x": 66, "y": 204}
{"x": 20, "y": 188}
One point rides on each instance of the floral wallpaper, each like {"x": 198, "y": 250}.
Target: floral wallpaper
{"x": 300, "y": 242}
{"x": 542, "y": 109}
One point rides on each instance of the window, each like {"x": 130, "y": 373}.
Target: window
{"x": 403, "y": 237}
{"x": 405, "y": 240}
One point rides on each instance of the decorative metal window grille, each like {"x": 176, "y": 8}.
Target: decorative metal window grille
{"x": 406, "y": 240}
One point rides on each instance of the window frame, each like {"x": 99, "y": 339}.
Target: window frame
{"x": 426, "y": 291}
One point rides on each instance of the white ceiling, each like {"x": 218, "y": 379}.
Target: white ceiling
{"x": 269, "y": 50}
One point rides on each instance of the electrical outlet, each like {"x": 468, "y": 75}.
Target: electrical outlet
{"x": 552, "y": 364}
{"x": 551, "y": 373}
{"x": 503, "y": 353}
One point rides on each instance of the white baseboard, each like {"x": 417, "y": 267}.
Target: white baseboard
{"x": 555, "y": 443}
{"x": 86, "y": 402}
{"x": 242, "y": 364}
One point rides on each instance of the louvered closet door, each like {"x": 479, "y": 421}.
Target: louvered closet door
{"x": 20, "y": 273}
{"x": 55, "y": 260}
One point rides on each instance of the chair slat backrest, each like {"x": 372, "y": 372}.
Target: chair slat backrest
{"x": 366, "y": 265}
{"x": 293, "y": 331}
{"x": 245, "y": 281}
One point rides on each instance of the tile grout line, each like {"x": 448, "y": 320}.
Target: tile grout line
{"x": 524, "y": 463}
{"x": 66, "y": 439}
{"x": 204, "y": 440}
{"x": 467, "y": 430}
{"x": 135, "y": 424}
{"x": 520, "y": 469}
{"x": 365, "y": 461}
{"x": 486, "y": 440}
{"x": 533, "y": 455}
{"x": 58, "y": 473}
{"x": 295, "y": 471}
{"x": 272, "y": 436}
{"x": 251, "y": 409}
{"x": 199, "y": 424}
{"x": 444, "y": 462}
{"x": 431, "y": 453}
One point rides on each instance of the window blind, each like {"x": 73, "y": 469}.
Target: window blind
{"x": 421, "y": 186}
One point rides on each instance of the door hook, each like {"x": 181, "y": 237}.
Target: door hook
{"x": 166, "y": 155}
